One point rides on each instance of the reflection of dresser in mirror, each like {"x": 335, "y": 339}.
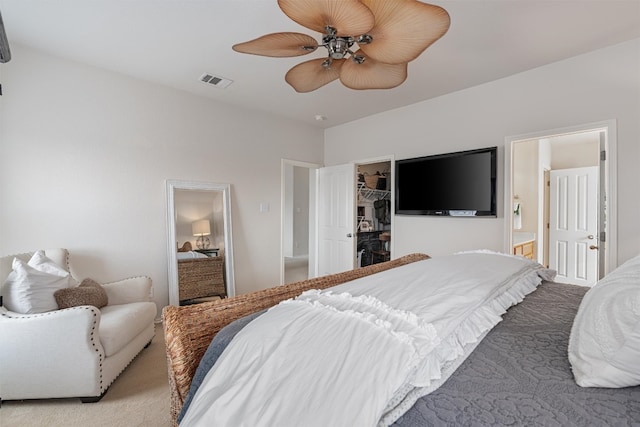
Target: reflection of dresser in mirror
{"x": 201, "y": 279}
{"x": 208, "y": 252}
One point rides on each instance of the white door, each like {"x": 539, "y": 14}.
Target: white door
{"x": 336, "y": 219}
{"x": 573, "y": 225}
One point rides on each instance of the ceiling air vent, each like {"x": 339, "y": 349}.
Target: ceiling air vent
{"x": 216, "y": 81}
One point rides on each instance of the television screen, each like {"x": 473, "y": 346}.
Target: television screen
{"x": 452, "y": 184}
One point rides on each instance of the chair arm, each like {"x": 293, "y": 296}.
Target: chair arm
{"x": 62, "y": 346}
{"x": 75, "y": 327}
{"x": 133, "y": 289}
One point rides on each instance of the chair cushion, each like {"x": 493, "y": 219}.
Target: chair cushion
{"x": 89, "y": 292}
{"x": 30, "y": 286}
{"x": 120, "y": 323}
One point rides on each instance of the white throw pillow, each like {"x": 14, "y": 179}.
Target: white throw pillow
{"x": 29, "y": 287}
{"x": 604, "y": 346}
{"x": 41, "y": 262}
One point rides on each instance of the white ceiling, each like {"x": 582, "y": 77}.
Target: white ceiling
{"x": 174, "y": 42}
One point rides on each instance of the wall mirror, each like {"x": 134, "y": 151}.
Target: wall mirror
{"x": 199, "y": 242}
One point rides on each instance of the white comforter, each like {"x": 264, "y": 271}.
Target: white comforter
{"x": 361, "y": 353}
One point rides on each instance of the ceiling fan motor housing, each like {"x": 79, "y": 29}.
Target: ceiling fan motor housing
{"x": 338, "y": 47}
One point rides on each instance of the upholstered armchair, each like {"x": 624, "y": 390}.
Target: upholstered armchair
{"x": 72, "y": 352}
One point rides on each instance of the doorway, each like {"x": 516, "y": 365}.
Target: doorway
{"x": 373, "y": 213}
{"x": 534, "y": 213}
{"x": 298, "y": 220}
{"x": 348, "y": 211}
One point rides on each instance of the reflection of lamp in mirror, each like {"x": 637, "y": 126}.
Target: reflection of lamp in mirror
{"x": 201, "y": 229}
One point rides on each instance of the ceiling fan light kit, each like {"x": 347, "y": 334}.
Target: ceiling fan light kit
{"x": 388, "y": 35}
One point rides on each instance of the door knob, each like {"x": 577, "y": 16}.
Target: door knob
{"x": 590, "y": 237}
{"x": 349, "y": 235}
{"x": 593, "y": 247}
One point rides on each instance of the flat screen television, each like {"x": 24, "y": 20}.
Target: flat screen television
{"x": 453, "y": 184}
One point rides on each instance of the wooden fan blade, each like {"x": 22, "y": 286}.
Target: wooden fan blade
{"x": 279, "y": 45}
{"x": 404, "y": 29}
{"x": 348, "y": 17}
{"x": 372, "y": 74}
{"x": 311, "y": 75}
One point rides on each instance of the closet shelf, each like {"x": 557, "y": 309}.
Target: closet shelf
{"x": 372, "y": 194}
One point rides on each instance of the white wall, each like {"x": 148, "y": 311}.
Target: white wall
{"x": 567, "y": 156}
{"x": 84, "y": 158}
{"x": 590, "y": 88}
{"x": 84, "y": 155}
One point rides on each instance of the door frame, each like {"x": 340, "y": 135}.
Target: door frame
{"x": 608, "y": 173}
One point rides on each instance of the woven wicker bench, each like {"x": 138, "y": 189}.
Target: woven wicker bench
{"x": 189, "y": 329}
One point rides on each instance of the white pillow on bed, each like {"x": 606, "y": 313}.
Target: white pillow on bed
{"x": 604, "y": 346}
{"x": 191, "y": 255}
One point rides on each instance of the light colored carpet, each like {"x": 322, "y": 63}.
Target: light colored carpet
{"x": 138, "y": 397}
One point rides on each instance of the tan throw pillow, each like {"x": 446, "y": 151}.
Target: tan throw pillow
{"x": 89, "y": 292}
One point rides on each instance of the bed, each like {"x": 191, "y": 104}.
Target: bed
{"x": 514, "y": 373}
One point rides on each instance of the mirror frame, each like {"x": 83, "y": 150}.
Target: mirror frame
{"x": 171, "y": 186}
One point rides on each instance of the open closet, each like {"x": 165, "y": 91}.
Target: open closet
{"x": 373, "y": 213}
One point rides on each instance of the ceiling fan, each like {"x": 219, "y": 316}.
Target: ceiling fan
{"x": 388, "y": 35}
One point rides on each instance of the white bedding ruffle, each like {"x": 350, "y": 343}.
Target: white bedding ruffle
{"x": 460, "y": 344}
{"x": 363, "y": 352}
{"x": 405, "y": 326}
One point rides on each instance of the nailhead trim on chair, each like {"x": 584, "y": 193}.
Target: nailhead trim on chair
{"x": 93, "y": 328}
{"x": 101, "y": 355}
{"x": 93, "y": 343}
